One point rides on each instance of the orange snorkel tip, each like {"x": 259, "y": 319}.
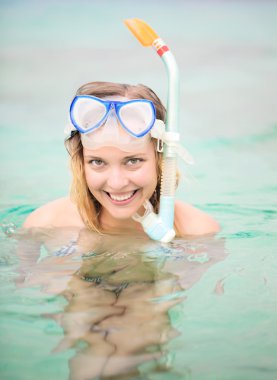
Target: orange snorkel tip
{"x": 142, "y": 31}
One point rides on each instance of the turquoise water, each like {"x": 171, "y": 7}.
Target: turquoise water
{"x": 196, "y": 309}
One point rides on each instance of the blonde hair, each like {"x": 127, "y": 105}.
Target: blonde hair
{"x": 89, "y": 208}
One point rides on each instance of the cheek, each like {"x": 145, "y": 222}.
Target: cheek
{"x": 148, "y": 176}
{"x": 94, "y": 181}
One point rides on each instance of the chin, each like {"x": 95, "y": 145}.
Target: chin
{"x": 124, "y": 213}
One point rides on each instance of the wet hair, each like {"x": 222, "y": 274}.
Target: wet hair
{"x": 89, "y": 208}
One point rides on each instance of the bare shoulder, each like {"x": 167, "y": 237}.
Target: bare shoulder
{"x": 191, "y": 221}
{"x": 61, "y": 212}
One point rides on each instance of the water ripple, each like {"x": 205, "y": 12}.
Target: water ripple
{"x": 235, "y": 209}
{"x": 13, "y": 216}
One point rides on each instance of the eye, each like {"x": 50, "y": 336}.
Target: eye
{"x": 134, "y": 161}
{"x": 97, "y": 163}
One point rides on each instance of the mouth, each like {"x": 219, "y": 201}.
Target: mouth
{"x": 122, "y": 199}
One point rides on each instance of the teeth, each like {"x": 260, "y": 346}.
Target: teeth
{"x": 122, "y": 197}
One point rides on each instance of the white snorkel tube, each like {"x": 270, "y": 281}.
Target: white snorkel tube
{"x": 161, "y": 227}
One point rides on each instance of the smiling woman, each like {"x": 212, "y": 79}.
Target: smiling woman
{"x": 116, "y": 164}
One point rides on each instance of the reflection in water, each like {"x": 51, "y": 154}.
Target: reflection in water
{"x": 118, "y": 295}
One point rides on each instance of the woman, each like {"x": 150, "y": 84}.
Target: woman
{"x": 115, "y": 164}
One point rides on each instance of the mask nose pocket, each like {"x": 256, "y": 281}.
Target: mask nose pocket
{"x": 112, "y": 126}
{"x": 111, "y": 121}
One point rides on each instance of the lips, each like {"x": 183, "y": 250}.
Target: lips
{"x": 122, "y": 199}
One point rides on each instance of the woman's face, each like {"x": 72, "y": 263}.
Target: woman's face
{"x": 121, "y": 181}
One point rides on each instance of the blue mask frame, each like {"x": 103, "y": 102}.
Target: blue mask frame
{"x": 109, "y": 105}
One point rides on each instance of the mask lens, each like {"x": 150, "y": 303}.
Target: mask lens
{"x": 87, "y": 113}
{"x": 137, "y": 117}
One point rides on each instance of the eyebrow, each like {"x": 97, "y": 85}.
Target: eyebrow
{"x": 135, "y": 155}
{"x": 90, "y": 156}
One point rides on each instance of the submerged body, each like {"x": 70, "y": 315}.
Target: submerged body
{"x": 119, "y": 293}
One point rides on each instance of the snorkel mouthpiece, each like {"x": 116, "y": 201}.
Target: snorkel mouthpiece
{"x": 162, "y": 224}
{"x": 153, "y": 225}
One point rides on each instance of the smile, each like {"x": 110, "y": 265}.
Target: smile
{"x": 122, "y": 198}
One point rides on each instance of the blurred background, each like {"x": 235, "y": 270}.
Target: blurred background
{"x": 227, "y": 54}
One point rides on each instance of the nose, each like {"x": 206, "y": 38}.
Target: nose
{"x": 117, "y": 179}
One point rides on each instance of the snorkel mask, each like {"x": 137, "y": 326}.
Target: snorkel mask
{"x": 116, "y": 121}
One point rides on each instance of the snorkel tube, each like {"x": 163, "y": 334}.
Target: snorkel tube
{"x": 160, "y": 227}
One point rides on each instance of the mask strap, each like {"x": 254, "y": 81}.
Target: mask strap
{"x": 171, "y": 139}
